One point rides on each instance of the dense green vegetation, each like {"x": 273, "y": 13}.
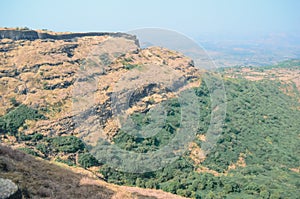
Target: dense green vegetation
{"x": 38, "y": 145}
{"x": 62, "y": 148}
{"x": 59, "y": 144}
{"x": 261, "y": 122}
{"x": 68, "y": 144}
{"x": 52, "y": 145}
{"x": 87, "y": 160}
{"x": 165, "y": 131}
{"x": 12, "y": 121}
{"x": 2, "y": 125}
{"x": 33, "y": 137}
{"x": 28, "y": 151}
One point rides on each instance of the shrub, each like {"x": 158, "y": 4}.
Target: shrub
{"x": 2, "y": 126}
{"x": 68, "y": 144}
{"x": 14, "y": 102}
{"x": 132, "y": 66}
{"x": 105, "y": 59}
{"x": 42, "y": 148}
{"x": 37, "y": 137}
{"x": 28, "y": 151}
{"x": 65, "y": 161}
{"x": 33, "y": 137}
{"x": 87, "y": 160}
{"x": 16, "y": 118}
{"x": 24, "y": 137}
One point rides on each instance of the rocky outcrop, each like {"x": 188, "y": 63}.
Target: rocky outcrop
{"x": 19, "y": 34}
{"x": 33, "y": 35}
{"x": 9, "y": 190}
{"x": 81, "y": 82}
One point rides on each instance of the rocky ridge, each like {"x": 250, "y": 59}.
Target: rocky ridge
{"x": 32, "y": 35}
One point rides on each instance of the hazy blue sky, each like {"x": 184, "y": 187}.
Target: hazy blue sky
{"x": 189, "y": 17}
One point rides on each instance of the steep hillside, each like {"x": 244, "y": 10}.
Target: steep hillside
{"x": 66, "y": 96}
{"x": 257, "y": 154}
{"x": 43, "y": 76}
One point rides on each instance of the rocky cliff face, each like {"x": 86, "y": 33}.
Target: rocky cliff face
{"x": 50, "y": 72}
{"x": 34, "y": 35}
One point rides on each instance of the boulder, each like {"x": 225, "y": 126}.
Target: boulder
{"x": 9, "y": 190}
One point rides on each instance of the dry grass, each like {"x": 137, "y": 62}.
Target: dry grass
{"x": 40, "y": 179}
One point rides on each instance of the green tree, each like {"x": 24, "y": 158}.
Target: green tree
{"x": 16, "y": 118}
{"x": 68, "y": 144}
{"x": 2, "y": 126}
{"x": 87, "y": 160}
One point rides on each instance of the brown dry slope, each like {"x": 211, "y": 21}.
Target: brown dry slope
{"x": 38, "y": 178}
{"x": 50, "y": 72}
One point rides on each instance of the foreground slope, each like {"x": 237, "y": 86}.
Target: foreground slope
{"x": 37, "y": 178}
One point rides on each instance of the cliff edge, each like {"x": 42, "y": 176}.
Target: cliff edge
{"x": 32, "y": 35}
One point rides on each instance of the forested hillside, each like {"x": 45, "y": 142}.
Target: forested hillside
{"x": 257, "y": 155}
